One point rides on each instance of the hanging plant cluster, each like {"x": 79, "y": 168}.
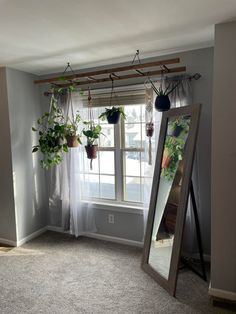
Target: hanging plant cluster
{"x": 174, "y": 146}
{"x": 58, "y": 132}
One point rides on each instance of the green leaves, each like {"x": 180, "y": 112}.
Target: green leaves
{"x": 110, "y": 112}
{"x": 34, "y": 130}
{"x": 92, "y": 133}
{"x": 35, "y": 149}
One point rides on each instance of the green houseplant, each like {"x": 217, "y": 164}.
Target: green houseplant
{"x": 51, "y": 130}
{"x": 92, "y": 133}
{"x": 71, "y": 131}
{"x": 162, "y": 102}
{"x": 113, "y": 115}
{"x": 173, "y": 153}
{"x": 178, "y": 126}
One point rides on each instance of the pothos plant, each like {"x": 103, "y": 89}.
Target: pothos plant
{"x": 51, "y": 130}
{"x": 174, "y": 148}
{"x": 92, "y": 133}
{"x": 113, "y": 114}
{"x": 179, "y": 125}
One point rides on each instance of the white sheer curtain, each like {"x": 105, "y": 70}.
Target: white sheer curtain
{"x": 181, "y": 96}
{"x": 69, "y": 187}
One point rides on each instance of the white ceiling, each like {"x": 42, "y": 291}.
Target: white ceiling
{"x": 41, "y": 36}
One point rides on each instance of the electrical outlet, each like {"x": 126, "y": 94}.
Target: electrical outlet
{"x": 111, "y": 219}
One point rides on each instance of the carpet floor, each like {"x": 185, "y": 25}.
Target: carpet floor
{"x": 57, "y": 273}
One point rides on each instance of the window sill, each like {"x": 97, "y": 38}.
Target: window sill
{"x": 117, "y": 207}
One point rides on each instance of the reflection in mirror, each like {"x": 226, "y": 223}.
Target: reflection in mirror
{"x": 168, "y": 195}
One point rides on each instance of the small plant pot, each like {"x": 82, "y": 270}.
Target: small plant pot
{"x": 114, "y": 117}
{"x": 165, "y": 160}
{"x": 162, "y": 103}
{"x": 91, "y": 151}
{"x": 149, "y": 129}
{"x": 72, "y": 141}
{"x": 177, "y": 130}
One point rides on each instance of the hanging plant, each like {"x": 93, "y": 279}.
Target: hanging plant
{"x": 72, "y": 123}
{"x": 149, "y": 129}
{"x": 173, "y": 153}
{"x": 51, "y": 130}
{"x": 162, "y": 102}
{"x": 71, "y": 131}
{"x": 178, "y": 126}
{"x": 113, "y": 115}
{"x": 92, "y": 133}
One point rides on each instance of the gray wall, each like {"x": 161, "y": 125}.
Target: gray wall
{"x": 7, "y": 207}
{"x": 223, "y": 236}
{"x": 130, "y": 226}
{"x": 29, "y": 179}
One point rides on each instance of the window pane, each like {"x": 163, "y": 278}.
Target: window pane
{"x": 87, "y": 163}
{"x": 133, "y": 135}
{"x": 133, "y": 113}
{"x": 107, "y": 140}
{"x": 143, "y": 135}
{"x": 107, "y": 186}
{"x": 132, "y": 189}
{"x": 106, "y": 162}
{"x": 143, "y": 113}
{"x": 132, "y": 163}
{"x": 92, "y": 182}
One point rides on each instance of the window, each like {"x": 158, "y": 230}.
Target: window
{"x": 118, "y": 171}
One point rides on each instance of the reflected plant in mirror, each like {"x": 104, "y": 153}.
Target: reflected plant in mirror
{"x": 168, "y": 196}
{"x": 174, "y": 158}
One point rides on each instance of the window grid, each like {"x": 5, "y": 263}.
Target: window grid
{"x": 119, "y": 154}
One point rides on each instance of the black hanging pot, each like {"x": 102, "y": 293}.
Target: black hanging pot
{"x": 177, "y": 130}
{"x": 162, "y": 103}
{"x": 114, "y": 117}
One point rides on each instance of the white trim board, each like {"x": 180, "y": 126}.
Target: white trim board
{"x": 101, "y": 237}
{"x": 31, "y": 236}
{"x": 8, "y": 242}
{"x": 222, "y": 294}
{"x": 114, "y": 239}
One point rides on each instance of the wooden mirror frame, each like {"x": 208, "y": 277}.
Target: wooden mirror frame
{"x": 194, "y": 112}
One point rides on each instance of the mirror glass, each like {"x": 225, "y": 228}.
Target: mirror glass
{"x": 168, "y": 195}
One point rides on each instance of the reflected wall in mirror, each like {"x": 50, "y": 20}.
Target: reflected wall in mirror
{"x": 170, "y": 194}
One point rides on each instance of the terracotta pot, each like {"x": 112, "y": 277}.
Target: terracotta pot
{"x": 91, "y": 151}
{"x": 162, "y": 103}
{"x": 114, "y": 118}
{"x": 149, "y": 129}
{"x": 72, "y": 141}
{"x": 165, "y": 160}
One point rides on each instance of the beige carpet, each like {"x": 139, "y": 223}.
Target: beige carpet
{"x": 59, "y": 274}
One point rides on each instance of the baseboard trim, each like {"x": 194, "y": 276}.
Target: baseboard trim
{"x": 31, "y": 236}
{"x": 114, "y": 239}
{"x": 99, "y": 236}
{"x": 56, "y": 229}
{"x": 8, "y": 242}
{"x": 222, "y": 294}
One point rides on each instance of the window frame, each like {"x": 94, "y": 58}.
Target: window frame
{"x": 119, "y": 150}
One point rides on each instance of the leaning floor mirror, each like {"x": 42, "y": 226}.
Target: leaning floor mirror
{"x": 169, "y": 196}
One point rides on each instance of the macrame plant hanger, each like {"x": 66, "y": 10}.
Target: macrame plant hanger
{"x": 69, "y": 101}
{"x": 148, "y": 111}
{"x": 90, "y": 119}
{"x": 149, "y": 121}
